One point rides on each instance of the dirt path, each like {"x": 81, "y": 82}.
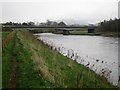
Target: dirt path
{"x": 12, "y": 83}
{"x": 13, "y": 77}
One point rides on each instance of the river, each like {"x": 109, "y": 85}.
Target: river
{"x": 98, "y": 53}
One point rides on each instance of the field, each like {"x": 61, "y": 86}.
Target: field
{"x": 29, "y": 63}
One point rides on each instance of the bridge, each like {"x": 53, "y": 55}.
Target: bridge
{"x": 12, "y": 26}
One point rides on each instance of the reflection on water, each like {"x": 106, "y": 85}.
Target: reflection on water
{"x": 96, "y": 52}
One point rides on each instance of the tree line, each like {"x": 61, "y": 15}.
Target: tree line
{"x": 112, "y": 25}
{"x": 47, "y": 23}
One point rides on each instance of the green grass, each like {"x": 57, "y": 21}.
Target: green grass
{"x": 4, "y": 34}
{"x": 28, "y": 76}
{"x": 65, "y": 71}
{"x": 6, "y": 63}
{"x": 41, "y": 67}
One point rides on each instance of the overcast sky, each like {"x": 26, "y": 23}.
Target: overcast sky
{"x": 71, "y": 11}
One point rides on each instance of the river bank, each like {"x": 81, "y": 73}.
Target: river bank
{"x": 111, "y": 34}
{"x": 41, "y": 67}
{"x": 88, "y": 51}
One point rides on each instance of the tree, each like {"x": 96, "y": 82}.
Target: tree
{"x": 48, "y": 23}
{"x": 109, "y": 26}
{"x": 61, "y": 24}
{"x": 24, "y": 23}
{"x": 8, "y": 23}
{"x": 15, "y": 24}
{"x": 31, "y": 23}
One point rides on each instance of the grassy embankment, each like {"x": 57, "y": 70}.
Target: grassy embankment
{"x": 39, "y": 66}
{"x": 110, "y": 34}
{"x": 83, "y": 31}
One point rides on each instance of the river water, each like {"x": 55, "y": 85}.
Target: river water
{"x": 98, "y": 53}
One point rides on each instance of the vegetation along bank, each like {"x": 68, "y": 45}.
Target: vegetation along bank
{"x": 29, "y": 63}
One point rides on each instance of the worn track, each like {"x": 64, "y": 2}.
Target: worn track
{"x": 12, "y": 83}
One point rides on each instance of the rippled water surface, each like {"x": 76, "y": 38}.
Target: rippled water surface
{"x": 96, "y": 52}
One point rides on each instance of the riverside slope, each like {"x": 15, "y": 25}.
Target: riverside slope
{"x": 41, "y": 67}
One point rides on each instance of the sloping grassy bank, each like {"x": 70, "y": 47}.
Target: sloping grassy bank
{"x": 84, "y": 32}
{"x": 41, "y": 67}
